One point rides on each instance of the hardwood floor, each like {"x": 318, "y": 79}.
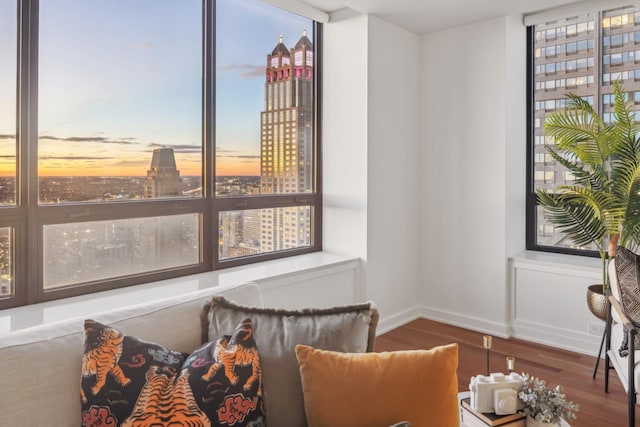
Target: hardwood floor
{"x": 572, "y": 371}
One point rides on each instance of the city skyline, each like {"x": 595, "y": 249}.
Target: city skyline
{"x": 582, "y": 55}
{"x": 111, "y": 128}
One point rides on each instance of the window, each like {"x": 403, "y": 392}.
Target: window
{"x": 615, "y": 31}
{"x": 8, "y": 137}
{"x": 127, "y": 173}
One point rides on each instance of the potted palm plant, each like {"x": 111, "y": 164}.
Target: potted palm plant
{"x": 602, "y": 205}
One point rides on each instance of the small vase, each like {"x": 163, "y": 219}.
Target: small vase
{"x": 532, "y": 422}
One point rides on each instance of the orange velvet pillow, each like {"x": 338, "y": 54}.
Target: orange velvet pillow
{"x": 378, "y": 389}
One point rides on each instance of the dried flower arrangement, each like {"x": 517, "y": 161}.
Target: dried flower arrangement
{"x": 544, "y": 404}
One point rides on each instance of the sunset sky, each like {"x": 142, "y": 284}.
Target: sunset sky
{"x": 120, "y": 78}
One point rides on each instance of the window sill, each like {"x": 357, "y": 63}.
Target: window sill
{"x": 14, "y": 319}
{"x": 547, "y": 261}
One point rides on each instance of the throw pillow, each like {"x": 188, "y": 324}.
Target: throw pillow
{"x": 628, "y": 274}
{"x": 349, "y": 328}
{"x": 130, "y": 382}
{"x": 376, "y": 389}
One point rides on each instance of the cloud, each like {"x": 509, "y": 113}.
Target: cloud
{"x": 101, "y": 139}
{"x": 184, "y": 149}
{"x": 229, "y": 154}
{"x": 137, "y": 163}
{"x": 48, "y": 157}
{"x": 245, "y": 71}
{"x": 224, "y": 150}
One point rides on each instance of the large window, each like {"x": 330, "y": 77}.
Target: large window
{"x": 265, "y": 135}
{"x": 134, "y": 135}
{"x": 584, "y": 55}
{"x": 8, "y": 131}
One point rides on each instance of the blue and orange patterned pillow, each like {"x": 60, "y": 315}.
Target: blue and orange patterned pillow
{"x": 130, "y": 382}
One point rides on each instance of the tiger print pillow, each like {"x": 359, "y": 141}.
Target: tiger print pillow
{"x": 130, "y": 382}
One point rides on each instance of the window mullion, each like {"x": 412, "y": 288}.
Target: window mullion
{"x": 27, "y": 278}
{"x": 210, "y": 218}
{"x": 598, "y": 65}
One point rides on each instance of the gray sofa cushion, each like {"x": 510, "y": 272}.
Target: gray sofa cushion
{"x": 348, "y": 329}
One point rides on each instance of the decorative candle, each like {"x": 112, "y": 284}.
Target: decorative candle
{"x": 511, "y": 363}
{"x": 486, "y": 343}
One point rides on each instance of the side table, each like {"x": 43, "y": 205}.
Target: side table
{"x": 465, "y": 394}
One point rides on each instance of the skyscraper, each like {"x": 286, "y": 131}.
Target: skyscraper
{"x": 583, "y": 55}
{"x": 163, "y": 178}
{"x": 286, "y": 143}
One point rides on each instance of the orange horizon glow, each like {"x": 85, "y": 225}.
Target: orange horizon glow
{"x": 240, "y": 168}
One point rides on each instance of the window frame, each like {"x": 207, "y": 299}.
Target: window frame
{"x": 531, "y": 208}
{"x": 27, "y": 218}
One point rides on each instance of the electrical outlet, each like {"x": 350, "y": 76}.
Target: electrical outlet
{"x": 595, "y": 328}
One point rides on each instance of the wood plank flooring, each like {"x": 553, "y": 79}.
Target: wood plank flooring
{"x": 572, "y": 371}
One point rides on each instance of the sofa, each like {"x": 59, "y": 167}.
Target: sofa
{"x": 40, "y": 367}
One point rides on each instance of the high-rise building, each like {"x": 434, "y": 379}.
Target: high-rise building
{"x": 286, "y": 143}
{"x": 163, "y": 178}
{"x": 567, "y": 56}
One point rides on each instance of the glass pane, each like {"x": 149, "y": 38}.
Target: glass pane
{"x": 258, "y": 231}
{"x": 97, "y": 250}
{"x": 6, "y": 261}
{"x": 8, "y": 84}
{"x": 120, "y": 100}
{"x": 264, "y": 99}
{"x": 571, "y": 75}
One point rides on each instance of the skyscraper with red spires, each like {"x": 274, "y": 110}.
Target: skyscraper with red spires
{"x": 286, "y": 142}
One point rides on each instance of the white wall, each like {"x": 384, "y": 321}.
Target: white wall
{"x": 515, "y": 134}
{"x": 344, "y": 136}
{"x": 463, "y": 196}
{"x": 476, "y": 272}
{"x": 393, "y": 169}
{"x": 370, "y": 137}
{"x": 424, "y": 180}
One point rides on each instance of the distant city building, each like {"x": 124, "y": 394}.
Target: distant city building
{"x": 286, "y": 143}
{"x": 568, "y": 54}
{"x": 163, "y": 178}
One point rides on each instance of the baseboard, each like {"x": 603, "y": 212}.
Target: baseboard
{"x": 565, "y": 339}
{"x": 467, "y": 322}
{"x": 387, "y": 323}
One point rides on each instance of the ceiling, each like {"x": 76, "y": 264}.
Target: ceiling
{"x": 424, "y": 16}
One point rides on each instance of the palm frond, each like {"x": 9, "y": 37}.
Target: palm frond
{"x": 628, "y": 190}
{"x": 579, "y": 130}
{"x": 604, "y": 159}
{"x": 568, "y": 160}
{"x": 577, "y": 220}
{"x": 623, "y": 128}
